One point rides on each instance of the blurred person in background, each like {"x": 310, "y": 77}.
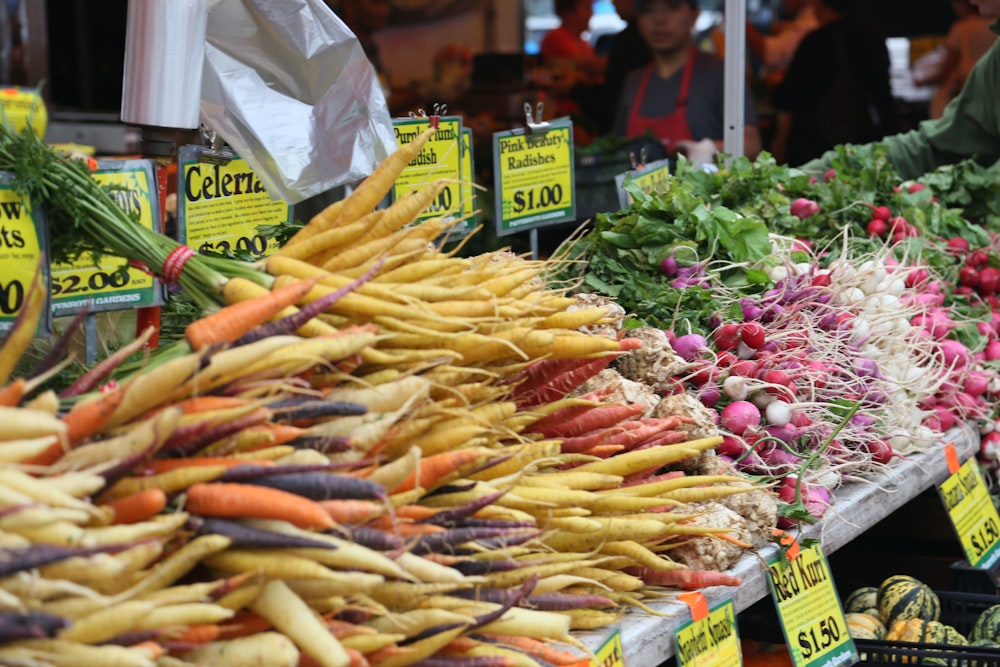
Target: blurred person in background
{"x": 969, "y": 127}
{"x": 836, "y": 89}
{"x": 968, "y": 40}
{"x": 565, "y": 46}
{"x": 679, "y": 96}
{"x": 776, "y": 50}
{"x": 624, "y": 51}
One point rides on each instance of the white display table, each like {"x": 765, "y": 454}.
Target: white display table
{"x": 648, "y": 640}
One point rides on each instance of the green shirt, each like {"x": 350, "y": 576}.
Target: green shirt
{"x": 968, "y": 128}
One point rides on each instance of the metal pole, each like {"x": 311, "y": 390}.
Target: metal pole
{"x": 735, "y": 77}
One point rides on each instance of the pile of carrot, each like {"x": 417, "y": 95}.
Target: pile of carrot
{"x": 384, "y": 460}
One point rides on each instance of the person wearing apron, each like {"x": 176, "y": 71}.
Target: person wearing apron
{"x": 679, "y": 97}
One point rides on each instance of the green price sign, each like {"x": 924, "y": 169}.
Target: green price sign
{"x": 973, "y": 514}
{"x": 533, "y": 177}
{"x": 809, "y": 610}
{"x": 710, "y": 641}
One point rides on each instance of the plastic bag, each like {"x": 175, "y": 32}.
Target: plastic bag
{"x": 289, "y": 88}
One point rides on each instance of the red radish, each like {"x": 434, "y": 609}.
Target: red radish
{"x": 881, "y": 451}
{"x": 883, "y": 213}
{"x": 802, "y": 208}
{"x": 957, "y": 245}
{"x": 752, "y": 334}
{"x": 668, "y": 266}
{"x": 993, "y": 350}
{"x": 989, "y": 446}
{"x": 954, "y": 353}
{"x": 977, "y": 258}
{"x": 727, "y": 337}
{"x": 977, "y": 383}
{"x": 821, "y": 280}
{"x": 744, "y": 368}
{"x": 739, "y": 416}
{"x": 876, "y": 227}
{"x": 898, "y": 224}
{"x": 968, "y": 276}
{"x": 916, "y": 187}
{"x": 916, "y": 277}
{"x": 829, "y": 175}
{"x": 989, "y": 280}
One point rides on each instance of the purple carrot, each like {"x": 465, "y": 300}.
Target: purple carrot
{"x": 446, "y": 517}
{"x": 29, "y": 625}
{"x": 128, "y": 465}
{"x": 192, "y": 438}
{"x": 247, "y": 472}
{"x": 566, "y": 601}
{"x": 324, "y": 486}
{"x": 473, "y": 522}
{"x": 292, "y": 323}
{"x": 446, "y": 540}
{"x": 316, "y": 409}
{"x": 326, "y": 444}
{"x": 376, "y": 539}
{"x": 514, "y": 598}
{"x": 60, "y": 348}
{"x": 89, "y": 380}
{"x": 472, "y": 568}
{"x": 19, "y": 559}
{"x": 245, "y": 537}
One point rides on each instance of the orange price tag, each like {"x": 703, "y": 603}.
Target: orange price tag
{"x": 951, "y": 456}
{"x": 696, "y": 602}
{"x": 790, "y": 543}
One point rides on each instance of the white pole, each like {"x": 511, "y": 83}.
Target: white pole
{"x": 735, "y": 77}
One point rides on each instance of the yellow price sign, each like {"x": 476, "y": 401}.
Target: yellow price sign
{"x": 23, "y": 107}
{"x": 441, "y": 157}
{"x": 649, "y": 178}
{"x": 809, "y": 610}
{"x": 110, "y": 283}
{"x": 22, "y": 246}
{"x": 710, "y": 641}
{"x": 610, "y": 653}
{"x": 973, "y": 514}
{"x": 534, "y": 177}
{"x": 220, "y": 204}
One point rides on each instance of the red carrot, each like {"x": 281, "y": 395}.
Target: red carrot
{"x": 684, "y": 578}
{"x": 89, "y": 380}
{"x": 598, "y": 417}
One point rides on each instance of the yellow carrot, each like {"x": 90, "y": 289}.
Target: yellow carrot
{"x": 289, "y": 614}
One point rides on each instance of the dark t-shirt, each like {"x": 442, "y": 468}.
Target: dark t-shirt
{"x": 810, "y": 78}
{"x": 705, "y": 104}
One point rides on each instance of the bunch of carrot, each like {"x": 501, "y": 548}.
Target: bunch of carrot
{"x": 383, "y": 460}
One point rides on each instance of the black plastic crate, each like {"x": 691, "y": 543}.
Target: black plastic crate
{"x": 967, "y": 579}
{"x": 959, "y": 610}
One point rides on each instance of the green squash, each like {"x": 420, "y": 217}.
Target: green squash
{"x": 862, "y": 600}
{"x": 987, "y": 626}
{"x": 864, "y": 626}
{"x": 917, "y": 631}
{"x": 902, "y": 597}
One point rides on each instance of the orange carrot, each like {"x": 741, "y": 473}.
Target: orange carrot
{"x": 88, "y": 417}
{"x": 255, "y": 502}
{"x": 138, "y": 506}
{"x": 11, "y": 395}
{"x": 208, "y": 403}
{"x": 684, "y": 578}
{"x": 404, "y": 528}
{"x": 538, "y": 649}
{"x": 165, "y": 465}
{"x": 416, "y": 512}
{"x": 200, "y": 634}
{"x": 436, "y": 467}
{"x": 460, "y": 645}
{"x": 348, "y": 511}
{"x": 244, "y": 623}
{"x": 228, "y": 324}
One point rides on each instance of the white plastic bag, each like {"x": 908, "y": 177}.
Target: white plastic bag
{"x": 288, "y": 86}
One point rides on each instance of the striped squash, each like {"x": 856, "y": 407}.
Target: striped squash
{"x": 987, "y": 626}
{"x": 864, "y": 626}
{"x": 902, "y": 597}
{"x": 918, "y": 631}
{"x": 862, "y": 600}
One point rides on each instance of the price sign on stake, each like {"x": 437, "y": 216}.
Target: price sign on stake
{"x": 533, "y": 177}
{"x": 221, "y": 203}
{"x": 972, "y": 513}
{"x": 709, "y": 639}
{"x": 22, "y": 247}
{"x": 809, "y": 610}
{"x": 107, "y": 284}
{"x": 652, "y": 177}
{"x": 441, "y": 157}
{"x": 610, "y": 653}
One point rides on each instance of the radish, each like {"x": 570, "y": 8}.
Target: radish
{"x": 883, "y": 213}
{"x": 668, "y": 267}
{"x": 690, "y": 347}
{"x": 727, "y": 337}
{"x": 829, "y": 175}
{"x": 977, "y": 259}
{"x": 881, "y": 451}
{"x": 876, "y": 227}
{"x": 989, "y": 280}
{"x": 802, "y": 208}
{"x": 957, "y": 245}
{"x": 739, "y": 416}
{"x": 753, "y": 334}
